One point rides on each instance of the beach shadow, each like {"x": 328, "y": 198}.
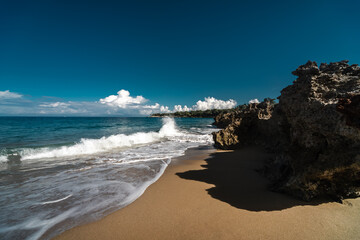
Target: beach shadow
{"x": 238, "y": 183}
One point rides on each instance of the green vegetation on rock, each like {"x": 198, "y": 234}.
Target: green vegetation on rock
{"x": 211, "y": 113}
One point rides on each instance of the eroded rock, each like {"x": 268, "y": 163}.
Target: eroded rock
{"x": 314, "y": 132}
{"x": 241, "y": 124}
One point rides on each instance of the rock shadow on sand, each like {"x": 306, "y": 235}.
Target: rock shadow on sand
{"x": 238, "y": 183}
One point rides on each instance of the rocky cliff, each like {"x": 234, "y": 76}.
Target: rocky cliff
{"x": 314, "y": 132}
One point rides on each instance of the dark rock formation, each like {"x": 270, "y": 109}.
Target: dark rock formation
{"x": 242, "y": 125}
{"x": 350, "y": 107}
{"x": 211, "y": 113}
{"x": 314, "y": 132}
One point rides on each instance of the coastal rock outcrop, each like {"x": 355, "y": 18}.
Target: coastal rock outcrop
{"x": 314, "y": 132}
{"x": 242, "y": 126}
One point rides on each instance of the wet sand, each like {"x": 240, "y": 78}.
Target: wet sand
{"x": 219, "y": 195}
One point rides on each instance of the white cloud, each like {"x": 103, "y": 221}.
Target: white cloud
{"x": 164, "y": 109}
{"x": 145, "y": 111}
{"x": 123, "y": 100}
{"x": 122, "y": 104}
{"x": 156, "y": 108}
{"x": 63, "y": 107}
{"x": 135, "y": 104}
{"x": 9, "y": 95}
{"x": 208, "y": 103}
{"x": 254, "y": 101}
{"x": 179, "y": 108}
{"x": 55, "y": 105}
{"x": 213, "y": 103}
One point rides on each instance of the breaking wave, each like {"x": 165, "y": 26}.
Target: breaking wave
{"x": 169, "y": 131}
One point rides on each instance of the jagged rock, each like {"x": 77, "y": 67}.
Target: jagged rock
{"x": 241, "y": 124}
{"x": 314, "y": 132}
{"x": 310, "y": 68}
{"x": 223, "y": 120}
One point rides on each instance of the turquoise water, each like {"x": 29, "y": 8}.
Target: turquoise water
{"x": 56, "y": 173}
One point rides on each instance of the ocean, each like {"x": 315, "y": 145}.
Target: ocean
{"x": 60, "y": 172}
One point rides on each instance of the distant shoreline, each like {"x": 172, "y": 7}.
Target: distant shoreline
{"x": 211, "y": 113}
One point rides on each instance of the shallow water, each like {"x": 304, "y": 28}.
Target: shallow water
{"x": 56, "y": 173}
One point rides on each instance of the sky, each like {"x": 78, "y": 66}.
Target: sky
{"x": 129, "y": 58}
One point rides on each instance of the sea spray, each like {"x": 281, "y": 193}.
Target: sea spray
{"x": 104, "y": 144}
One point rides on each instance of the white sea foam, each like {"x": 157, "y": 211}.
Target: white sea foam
{"x": 94, "y": 192}
{"x": 58, "y": 200}
{"x": 107, "y": 144}
{"x": 3, "y": 159}
{"x": 40, "y": 224}
{"x": 92, "y": 146}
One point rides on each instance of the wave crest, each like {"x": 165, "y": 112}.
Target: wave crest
{"x": 105, "y": 144}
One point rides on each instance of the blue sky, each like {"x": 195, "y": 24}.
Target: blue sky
{"x": 168, "y": 52}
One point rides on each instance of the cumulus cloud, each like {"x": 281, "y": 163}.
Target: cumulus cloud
{"x": 156, "y": 108}
{"x": 135, "y": 105}
{"x": 123, "y": 100}
{"x": 164, "y": 109}
{"x": 9, "y": 95}
{"x": 121, "y": 104}
{"x": 179, "y": 108}
{"x": 208, "y": 103}
{"x": 213, "y": 103}
{"x": 254, "y": 101}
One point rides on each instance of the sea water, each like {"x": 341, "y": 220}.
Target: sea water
{"x": 56, "y": 173}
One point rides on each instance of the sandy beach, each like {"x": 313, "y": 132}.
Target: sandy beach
{"x": 219, "y": 195}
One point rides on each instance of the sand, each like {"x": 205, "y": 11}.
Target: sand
{"x": 219, "y": 195}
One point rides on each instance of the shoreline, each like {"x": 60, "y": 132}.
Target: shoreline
{"x": 200, "y": 196}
